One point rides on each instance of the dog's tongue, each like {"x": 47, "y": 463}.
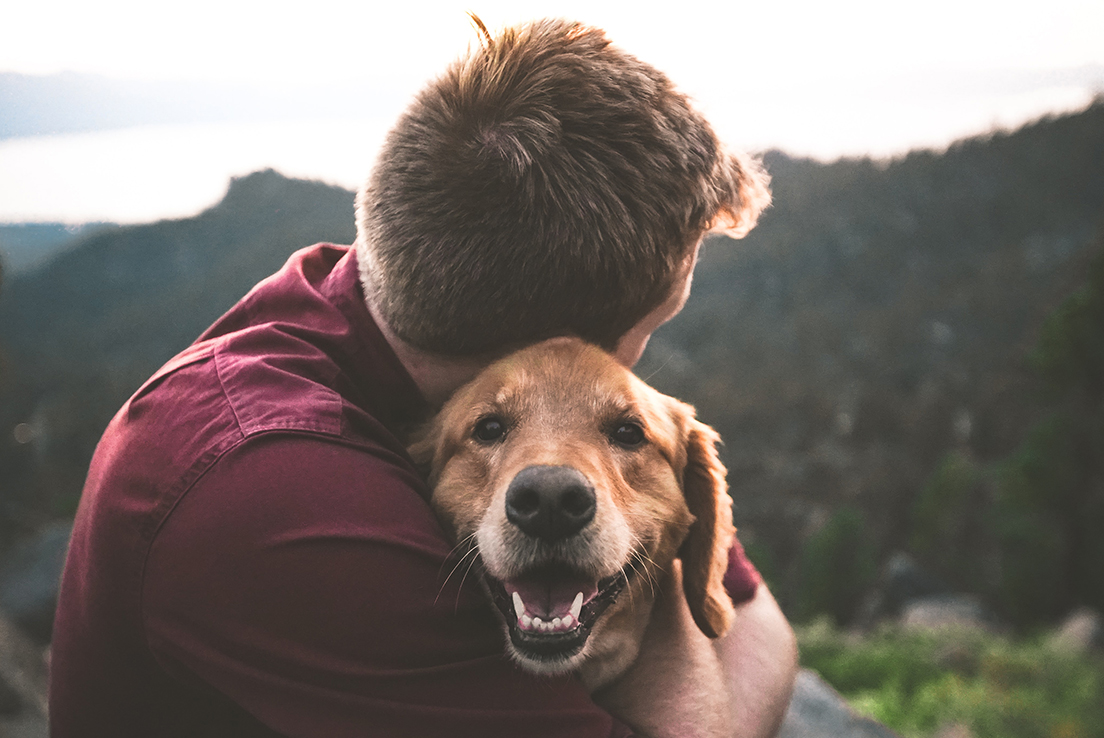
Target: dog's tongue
{"x": 551, "y": 598}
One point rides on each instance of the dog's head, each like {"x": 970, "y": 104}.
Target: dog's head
{"x": 577, "y": 485}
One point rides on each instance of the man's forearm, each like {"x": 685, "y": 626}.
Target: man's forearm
{"x": 759, "y": 658}
{"x": 684, "y": 684}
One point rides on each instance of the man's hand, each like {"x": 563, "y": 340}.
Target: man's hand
{"x": 684, "y": 684}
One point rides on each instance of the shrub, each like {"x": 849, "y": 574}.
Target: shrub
{"x": 837, "y": 566}
{"x": 915, "y": 683}
{"x": 944, "y": 519}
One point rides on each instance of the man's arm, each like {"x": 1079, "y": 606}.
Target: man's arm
{"x": 759, "y": 655}
{"x": 683, "y": 684}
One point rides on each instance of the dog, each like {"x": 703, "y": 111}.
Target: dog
{"x": 577, "y": 489}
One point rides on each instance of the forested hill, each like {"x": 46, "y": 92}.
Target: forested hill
{"x": 878, "y": 317}
{"x": 864, "y": 278}
{"x": 80, "y": 334}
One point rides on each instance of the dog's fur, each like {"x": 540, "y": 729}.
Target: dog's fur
{"x": 564, "y": 403}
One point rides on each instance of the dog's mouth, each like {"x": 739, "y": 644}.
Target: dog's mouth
{"x": 551, "y": 609}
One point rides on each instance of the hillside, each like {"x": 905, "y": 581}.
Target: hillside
{"x": 877, "y": 319}
{"x": 27, "y": 246}
{"x": 81, "y": 333}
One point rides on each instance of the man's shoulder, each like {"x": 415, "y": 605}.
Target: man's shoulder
{"x": 258, "y": 379}
{"x": 213, "y": 394}
{"x": 216, "y": 408}
{"x": 276, "y": 380}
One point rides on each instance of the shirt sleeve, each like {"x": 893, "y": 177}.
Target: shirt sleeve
{"x": 742, "y": 579}
{"x": 308, "y": 582}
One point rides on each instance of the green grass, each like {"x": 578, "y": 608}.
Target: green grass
{"x": 917, "y": 683}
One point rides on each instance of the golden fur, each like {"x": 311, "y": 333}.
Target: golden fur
{"x": 562, "y": 404}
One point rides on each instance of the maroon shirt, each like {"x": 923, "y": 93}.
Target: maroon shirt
{"x": 254, "y": 555}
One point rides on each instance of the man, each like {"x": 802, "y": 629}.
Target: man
{"x": 254, "y": 554}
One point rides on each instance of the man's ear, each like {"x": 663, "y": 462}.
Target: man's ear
{"x": 704, "y": 554}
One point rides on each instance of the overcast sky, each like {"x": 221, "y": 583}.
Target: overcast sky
{"x": 847, "y": 77}
{"x": 716, "y": 44}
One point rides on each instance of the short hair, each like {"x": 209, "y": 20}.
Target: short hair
{"x": 547, "y": 183}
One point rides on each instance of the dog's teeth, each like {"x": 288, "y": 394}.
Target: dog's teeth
{"x": 577, "y": 606}
{"x": 532, "y": 622}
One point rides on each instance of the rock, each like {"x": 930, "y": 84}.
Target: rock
{"x": 30, "y": 578}
{"x": 954, "y": 730}
{"x": 22, "y": 672}
{"x": 902, "y": 580}
{"x": 1080, "y": 633}
{"x": 23, "y": 679}
{"x": 818, "y": 711}
{"x": 26, "y": 726}
{"x": 11, "y": 703}
{"x": 946, "y": 611}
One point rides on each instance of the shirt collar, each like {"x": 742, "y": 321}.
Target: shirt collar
{"x": 378, "y": 372}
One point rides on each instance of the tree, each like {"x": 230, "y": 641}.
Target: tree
{"x": 1049, "y": 509}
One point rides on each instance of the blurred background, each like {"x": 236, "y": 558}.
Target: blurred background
{"x": 905, "y": 358}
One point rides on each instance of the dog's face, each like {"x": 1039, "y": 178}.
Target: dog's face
{"x": 576, "y": 485}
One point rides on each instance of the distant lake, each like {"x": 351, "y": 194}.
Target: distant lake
{"x": 151, "y": 172}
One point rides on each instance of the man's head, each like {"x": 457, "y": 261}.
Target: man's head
{"x": 547, "y": 184}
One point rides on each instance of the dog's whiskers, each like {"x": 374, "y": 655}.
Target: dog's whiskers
{"x": 471, "y": 564}
{"x": 467, "y": 542}
{"x": 661, "y": 367}
{"x": 471, "y": 551}
{"x": 645, "y": 571}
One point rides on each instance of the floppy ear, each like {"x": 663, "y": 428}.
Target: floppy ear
{"x": 704, "y": 554}
{"x": 422, "y": 444}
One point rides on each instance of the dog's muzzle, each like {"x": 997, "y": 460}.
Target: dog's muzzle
{"x": 551, "y": 607}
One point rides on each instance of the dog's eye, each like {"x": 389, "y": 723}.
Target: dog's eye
{"x": 489, "y": 429}
{"x": 628, "y": 434}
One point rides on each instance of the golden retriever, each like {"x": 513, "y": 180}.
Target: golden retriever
{"x": 576, "y": 486}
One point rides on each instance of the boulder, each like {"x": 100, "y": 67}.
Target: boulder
{"x": 901, "y": 581}
{"x": 1082, "y": 632}
{"x": 952, "y": 611}
{"x": 23, "y": 678}
{"x": 954, "y": 730}
{"x": 818, "y": 711}
{"x": 30, "y": 578}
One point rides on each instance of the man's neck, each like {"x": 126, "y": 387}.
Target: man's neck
{"x": 437, "y": 377}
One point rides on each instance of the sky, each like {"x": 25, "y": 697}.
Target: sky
{"x": 729, "y": 44}
{"x": 825, "y": 79}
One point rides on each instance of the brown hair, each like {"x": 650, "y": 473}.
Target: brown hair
{"x": 547, "y": 183}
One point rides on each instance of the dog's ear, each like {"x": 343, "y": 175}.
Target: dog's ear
{"x": 704, "y": 554}
{"x": 422, "y": 443}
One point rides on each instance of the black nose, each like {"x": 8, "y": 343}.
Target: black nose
{"x": 550, "y": 502}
